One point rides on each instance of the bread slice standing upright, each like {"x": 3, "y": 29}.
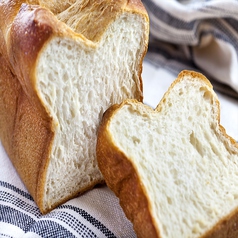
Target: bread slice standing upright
{"x": 62, "y": 64}
{"x": 174, "y": 169}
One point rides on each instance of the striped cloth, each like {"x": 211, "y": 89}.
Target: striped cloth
{"x": 96, "y": 213}
{"x": 199, "y": 35}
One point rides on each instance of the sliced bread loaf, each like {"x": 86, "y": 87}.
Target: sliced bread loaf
{"x": 174, "y": 169}
{"x": 62, "y": 65}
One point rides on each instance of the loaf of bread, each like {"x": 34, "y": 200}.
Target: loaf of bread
{"x": 174, "y": 169}
{"x": 62, "y": 64}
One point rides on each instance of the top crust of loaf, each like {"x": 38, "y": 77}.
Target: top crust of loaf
{"x": 25, "y": 29}
{"x": 122, "y": 176}
{"x": 23, "y": 26}
{"x": 88, "y": 20}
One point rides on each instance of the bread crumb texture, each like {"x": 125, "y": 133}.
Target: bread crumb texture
{"x": 77, "y": 83}
{"x": 72, "y": 60}
{"x": 184, "y": 161}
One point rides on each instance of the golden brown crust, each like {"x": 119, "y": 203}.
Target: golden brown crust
{"x": 226, "y": 228}
{"x": 26, "y": 129}
{"x": 122, "y": 178}
{"x": 30, "y": 132}
{"x": 19, "y": 121}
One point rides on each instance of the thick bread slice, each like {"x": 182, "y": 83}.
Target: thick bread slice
{"x": 174, "y": 169}
{"x": 55, "y": 84}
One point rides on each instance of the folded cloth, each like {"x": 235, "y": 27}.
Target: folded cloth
{"x": 200, "y": 35}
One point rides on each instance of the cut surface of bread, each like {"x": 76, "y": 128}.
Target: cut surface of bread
{"x": 174, "y": 169}
{"x": 64, "y": 79}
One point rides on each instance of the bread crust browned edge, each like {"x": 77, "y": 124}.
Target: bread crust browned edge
{"x": 31, "y": 133}
{"x": 122, "y": 179}
{"x": 27, "y": 28}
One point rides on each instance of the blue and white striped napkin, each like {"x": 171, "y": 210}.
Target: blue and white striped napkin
{"x": 96, "y": 213}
